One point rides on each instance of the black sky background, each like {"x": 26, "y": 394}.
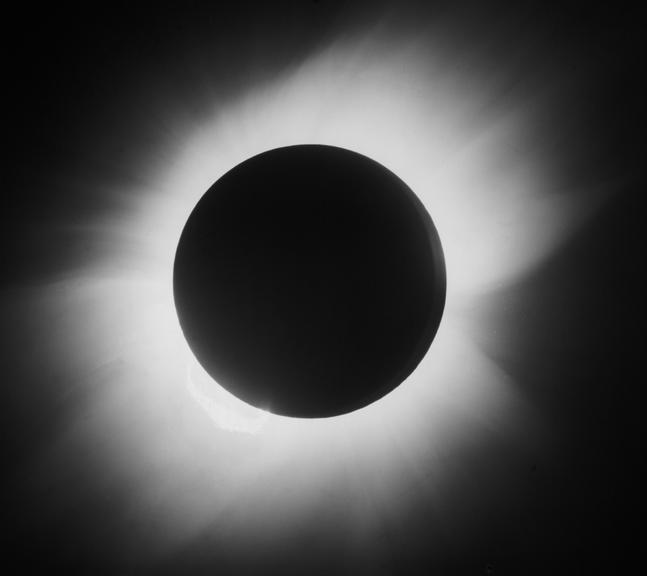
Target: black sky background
{"x": 83, "y": 84}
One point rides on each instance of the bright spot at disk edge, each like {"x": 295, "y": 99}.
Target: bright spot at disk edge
{"x": 224, "y": 409}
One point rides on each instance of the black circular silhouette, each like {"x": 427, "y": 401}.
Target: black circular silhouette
{"x": 309, "y": 281}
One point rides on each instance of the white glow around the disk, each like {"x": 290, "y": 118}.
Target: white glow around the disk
{"x": 189, "y": 453}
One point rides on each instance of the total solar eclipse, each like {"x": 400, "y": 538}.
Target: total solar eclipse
{"x": 309, "y": 281}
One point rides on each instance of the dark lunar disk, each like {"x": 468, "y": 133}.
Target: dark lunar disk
{"x": 309, "y": 281}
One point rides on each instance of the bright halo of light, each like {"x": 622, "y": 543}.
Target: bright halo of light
{"x": 188, "y": 451}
